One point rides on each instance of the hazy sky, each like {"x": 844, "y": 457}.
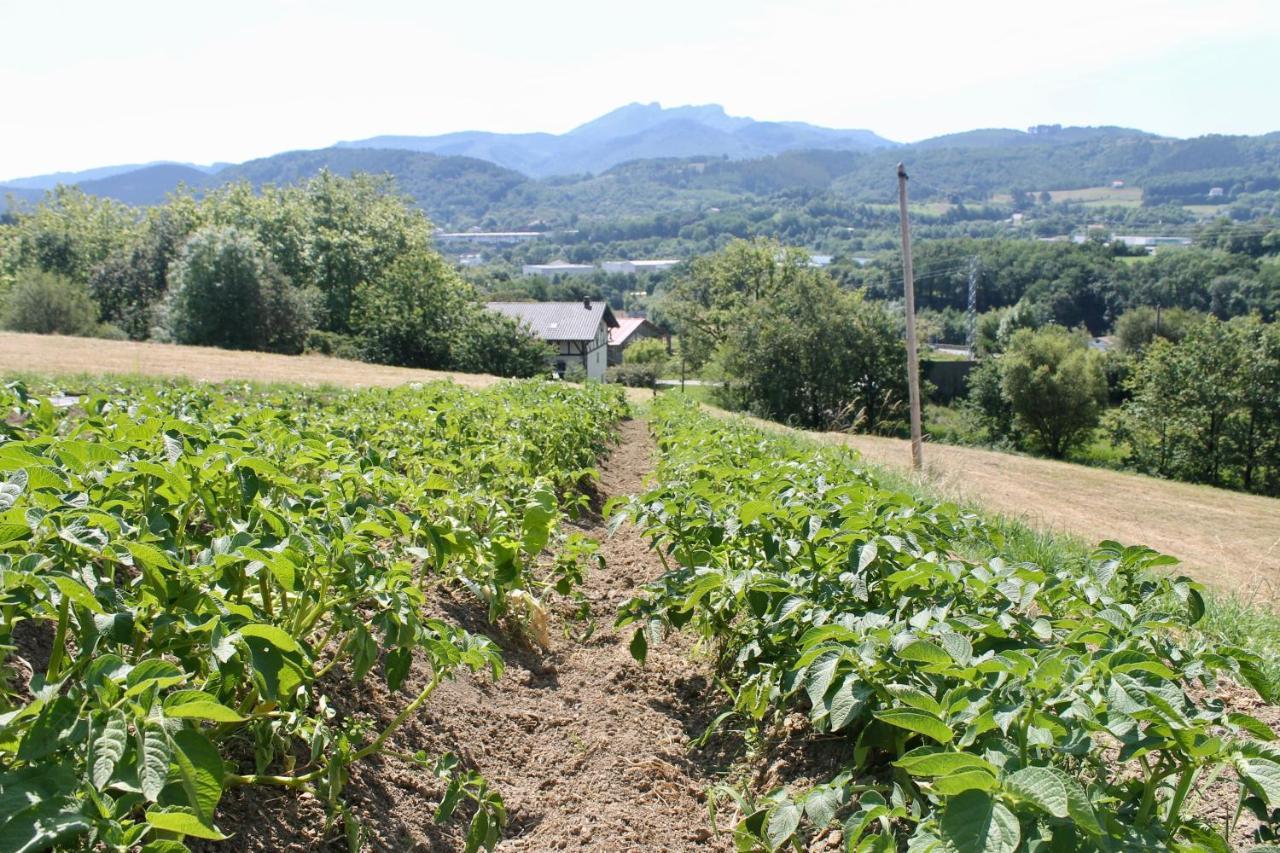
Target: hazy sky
{"x": 89, "y": 83}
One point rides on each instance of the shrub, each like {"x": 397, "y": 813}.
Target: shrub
{"x": 227, "y": 293}
{"x": 488, "y": 342}
{"x": 650, "y": 351}
{"x": 50, "y": 304}
{"x": 333, "y": 344}
{"x": 1055, "y": 387}
{"x": 633, "y": 375}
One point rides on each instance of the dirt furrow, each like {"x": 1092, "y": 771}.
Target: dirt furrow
{"x": 588, "y": 749}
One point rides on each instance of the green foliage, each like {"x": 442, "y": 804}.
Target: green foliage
{"x": 1207, "y": 408}
{"x": 1055, "y": 387}
{"x": 227, "y": 293}
{"x": 648, "y": 351}
{"x": 791, "y": 344}
{"x": 638, "y": 375}
{"x": 983, "y": 703}
{"x": 705, "y": 302}
{"x": 1138, "y": 327}
{"x": 818, "y": 356}
{"x": 49, "y": 304}
{"x": 410, "y": 314}
{"x": 210, "y": 555}
{"x": 488, "y": 342}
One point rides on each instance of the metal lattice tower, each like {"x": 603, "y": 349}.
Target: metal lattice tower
{"x": 973, "y": 304}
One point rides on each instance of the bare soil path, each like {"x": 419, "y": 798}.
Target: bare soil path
{"x": 589, "y": 749}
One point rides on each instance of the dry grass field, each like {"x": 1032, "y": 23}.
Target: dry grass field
{"x": 1227, "y": 539}
{"x": 55, "y": 355}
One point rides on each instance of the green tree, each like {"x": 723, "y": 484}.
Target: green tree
{"x": 1055, "y": 387}
{"x": 706, "y": 300}
{"x": 1207, "y": 409}
{"x": 227, "y": 293}
{"x": 815, "y": 355}
{"x": 412, "y": 314}
{"x": 488, "y": 342}
{"x": 50, "y": 304}
{"x": 1138, "y": 327}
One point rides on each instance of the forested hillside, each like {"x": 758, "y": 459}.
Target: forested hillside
{"x": 805, "y": 163}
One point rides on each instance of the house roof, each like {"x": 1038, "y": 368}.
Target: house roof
{"x": 627, "y": 327}
{"x": 559, "y": 321}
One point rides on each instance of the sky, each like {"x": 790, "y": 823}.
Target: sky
{"x": 87, "y": 83}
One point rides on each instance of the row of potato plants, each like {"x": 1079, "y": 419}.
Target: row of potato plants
{"x": 197, "y": 561}
{"x": 983, "y": 704}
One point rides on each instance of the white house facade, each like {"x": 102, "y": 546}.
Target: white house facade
{"x": 579, "y": 331}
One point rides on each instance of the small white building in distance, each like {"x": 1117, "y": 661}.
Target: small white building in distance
{"x": 579, "y": 331}
{"x": 1117, "y": 185}
{"x": 556, "y": 268}
{"x": 638, "y": 266}
{"x": 820, "y": 260}
{"x": 1216, "y": 192}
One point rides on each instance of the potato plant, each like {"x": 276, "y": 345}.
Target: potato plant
{"x": 987, "y": 705}
{"x": 198, "y": 562}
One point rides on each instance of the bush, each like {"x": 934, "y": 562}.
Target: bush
{"x": 488, "y": 342}
{"x": 332, "y": 344}
{"x": 50, "y": 304}
{"x": 650, "y": 351}
{"x": 633, "y": 375}
{"x": 227, "y": 293}
{"x": 1055, "y": 387}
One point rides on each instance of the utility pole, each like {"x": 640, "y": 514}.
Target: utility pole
{"x": 909, "y": 290}
{"x": 973, "y": 306}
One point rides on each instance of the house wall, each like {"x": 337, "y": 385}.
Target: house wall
{"x": 592, "y": 354}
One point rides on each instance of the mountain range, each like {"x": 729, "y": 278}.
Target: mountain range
{"x": 642, "y": 159}
{"x": 634, "y": 132}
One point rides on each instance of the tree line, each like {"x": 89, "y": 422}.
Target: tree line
{"x": 342, "y": 266}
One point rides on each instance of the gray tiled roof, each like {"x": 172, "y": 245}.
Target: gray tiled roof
{"x": 558, "y": 321}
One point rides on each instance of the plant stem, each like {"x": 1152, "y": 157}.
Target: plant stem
{"x": 399, "y": 720}
{"x": 59, "y": 639}
{"x": 1180, "y": 794}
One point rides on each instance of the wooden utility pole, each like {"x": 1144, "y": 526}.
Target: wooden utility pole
{"x": 909, "y": 291}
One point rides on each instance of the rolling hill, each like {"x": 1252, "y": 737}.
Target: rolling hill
{"x": 643, "y": 160}
{"x": 633, "y": 132}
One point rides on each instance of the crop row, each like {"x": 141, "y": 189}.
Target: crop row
{"x": 979, "y": 703}
{"x": 183, "y": 568}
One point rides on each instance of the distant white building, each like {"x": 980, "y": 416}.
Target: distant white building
{"x": 1216, "y": 192}
{"x": 638, "y": 266}
{"x": 473, "y": 260}
{"x": 1117, "y": 185}
{"x": 579, "y": 331}
{"x": 557, "y": 268}
{"x": 820, "y": 260}
{"x": 487, "y": 236}
{"x": 1139, "y": 241}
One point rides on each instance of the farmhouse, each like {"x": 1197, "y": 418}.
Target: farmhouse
{"x": 578, "y": 330}
{"x": 628, "y": 331}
